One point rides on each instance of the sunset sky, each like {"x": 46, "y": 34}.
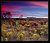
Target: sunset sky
{"x": 26, "y": 8}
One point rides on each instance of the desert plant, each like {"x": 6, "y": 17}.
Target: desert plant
{"x": 1, "y": 38}
{"x": 21, "y": 35}
{"x": 41, "y": 32}
{"x": 35, "y": 35}
{"x": 6, "y": 39}
{"x": 34, "y": 30}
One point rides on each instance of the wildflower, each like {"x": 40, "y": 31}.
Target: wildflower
{"x": 6, "y": 39}
{"x": 42, "y": 32}
{"x": 21, "y": 35}
{"x": 9, "y": 33}
{"x": 1, "y": 38}
{"x": 35, "y": 35}
{"x": 34, "y": 30}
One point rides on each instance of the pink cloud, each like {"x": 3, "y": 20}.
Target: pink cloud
{"x": 14, "y": 9}
{"x": 19, "y": 14}
{"x": 10, "y": 8}
{"x": 42, "y": 4}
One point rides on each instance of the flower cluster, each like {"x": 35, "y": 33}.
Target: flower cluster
{"x": 22, "y": 29}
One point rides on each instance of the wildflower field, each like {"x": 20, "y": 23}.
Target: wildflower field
{"x": 24, "y": 30}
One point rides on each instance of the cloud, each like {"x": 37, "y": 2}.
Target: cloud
{"x": 16, "y": 8}
{"x": 46, "y": 15}
{"x": 12, "y": 9}
{"x": 41, "y": 13}
{"x": 41, "y": 17}
{"x": 42, "y": 4}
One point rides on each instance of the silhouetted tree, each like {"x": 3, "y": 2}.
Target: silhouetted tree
{"x": 6, "y": 15}
{"x": 3, "y": 15}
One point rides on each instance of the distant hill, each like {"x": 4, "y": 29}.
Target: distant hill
{"x": 28, "y": 18}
